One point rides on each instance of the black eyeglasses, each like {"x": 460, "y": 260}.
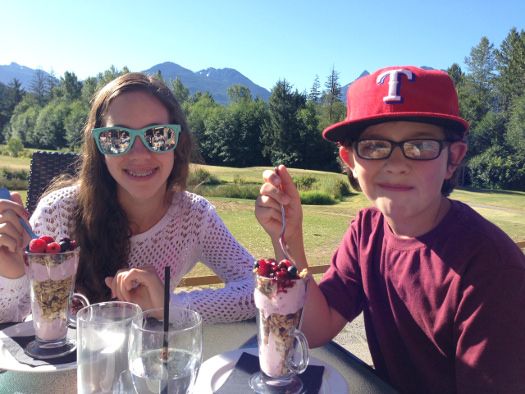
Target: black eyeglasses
{"x": 416, "y": 149}
{"x": 116, "y": 140}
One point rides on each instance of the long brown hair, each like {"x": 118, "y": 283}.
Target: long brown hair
{"x": 101, "y": 226}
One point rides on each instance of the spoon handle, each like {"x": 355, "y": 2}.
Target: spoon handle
{"x": 6, "y": 195}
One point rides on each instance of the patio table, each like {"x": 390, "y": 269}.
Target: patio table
{"x": 217, "y": 338}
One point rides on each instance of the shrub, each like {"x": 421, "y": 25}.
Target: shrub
{"x": 14, "y": 146}
{"x": 201, "y": 176}
{"x": 335, "y": 187}
{"x": 305, "y": 182}
{"x": 316, "y": 198}
{"x": 497, "y": 169}
{"x": 249, "y": 192}
{"x": 14, "y": 179}
{"x": 239, "y": 180}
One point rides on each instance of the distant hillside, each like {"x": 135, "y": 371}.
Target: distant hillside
{"x": 215, "y": 81}
{"x": 24, "y": 74}
{"x": 345, "y": 88}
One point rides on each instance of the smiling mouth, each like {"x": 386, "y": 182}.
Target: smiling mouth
{"x": 140, "y": 173}
{"x": 395, "y": 187}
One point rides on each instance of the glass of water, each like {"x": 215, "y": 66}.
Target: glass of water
{"x": 162, "y": 362}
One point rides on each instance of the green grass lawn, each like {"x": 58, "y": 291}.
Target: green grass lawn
{"x": 324, "y": 225}
{"x": 14, "y": 163}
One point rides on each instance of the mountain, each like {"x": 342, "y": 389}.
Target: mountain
{"x": 24, "y": 74}
{"x": 345, "y": 88}
{"x": 215, "y": 81}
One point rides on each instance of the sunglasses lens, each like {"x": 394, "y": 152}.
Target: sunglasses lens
{"x": 161, "y": 138}
{"x": 114, "y": 141}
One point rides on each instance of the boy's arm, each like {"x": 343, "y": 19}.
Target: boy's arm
{"x": 321, "y": 323}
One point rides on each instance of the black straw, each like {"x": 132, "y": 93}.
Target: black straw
{"x": 166, "y": 323}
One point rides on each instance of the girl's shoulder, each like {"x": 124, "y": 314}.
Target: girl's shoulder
{"x": 64, "y": 197}
{"x": 191, "y": 201}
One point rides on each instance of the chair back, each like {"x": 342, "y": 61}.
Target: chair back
{"x": 45, "y": 166}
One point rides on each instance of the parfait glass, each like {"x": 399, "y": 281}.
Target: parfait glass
{"x": 52, "y": 282}
{"x": 283, "y": 348}
{"x": 165, "y": 362}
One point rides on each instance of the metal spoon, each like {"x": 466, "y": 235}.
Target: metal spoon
{"x": 282, "y": 242}
{"x": 6, "y": 195}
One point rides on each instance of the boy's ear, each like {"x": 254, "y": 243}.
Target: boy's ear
{"x": 457, "y": 152}
{"x": 348, "y": 158}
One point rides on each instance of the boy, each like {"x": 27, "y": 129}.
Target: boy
{"x": 442, "y": 290}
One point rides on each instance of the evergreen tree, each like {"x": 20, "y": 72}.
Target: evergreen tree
{"x": 455, "y": 73}
{"x": 89, "y": 88}
{"x": 180, "y": 91}
{"x": 511, "y": 67}
{"x": 315, "y": 91}
{"x": 39, "y": 87}
{"x": 516, "y": 126}
{"x": 10, "y": 96}
{"x": 281, "y": 132}
{"x": 332, "y": 104}
{"x": 239, "y": 93}
{"x": 70, "y": 88}
{"x": 482, "y": 68}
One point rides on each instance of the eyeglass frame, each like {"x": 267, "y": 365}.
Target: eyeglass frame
{"x": 133, "y": 134}
{"x": 400, "y": 144}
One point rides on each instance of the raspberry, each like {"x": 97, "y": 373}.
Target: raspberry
{"x": 285, "y": 263}
{"x": 53, "y": 247}
{"x": 47, "y": 239}
{"x": 73, "y": 245}
{"x": 37, "y": 246}
{"x": 282, "y": 275}
{"x": 264, "y": 268}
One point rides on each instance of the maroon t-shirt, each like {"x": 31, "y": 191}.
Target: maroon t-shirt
{"x": 444, "y": 312}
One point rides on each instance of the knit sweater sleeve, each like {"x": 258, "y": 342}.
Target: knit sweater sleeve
{"x": 51, "y": 217}
{"x": 220, "y": 251}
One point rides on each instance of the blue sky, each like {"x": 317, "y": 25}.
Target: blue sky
{"x": 266, "y": 40}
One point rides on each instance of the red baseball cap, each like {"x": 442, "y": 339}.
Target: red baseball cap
{"x": 399, "y": 93}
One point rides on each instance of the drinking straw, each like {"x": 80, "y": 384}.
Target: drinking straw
{"x": 166, "y": 324}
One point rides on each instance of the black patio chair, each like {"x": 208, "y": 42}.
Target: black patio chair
{"x": 45, "y": 166}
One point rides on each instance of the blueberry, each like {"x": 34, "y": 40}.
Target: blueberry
{"x": 292, "y": 271}
{"x": 65, "y": 245}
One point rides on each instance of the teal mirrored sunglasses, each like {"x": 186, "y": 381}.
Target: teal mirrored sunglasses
{"x": 117, "y": 140}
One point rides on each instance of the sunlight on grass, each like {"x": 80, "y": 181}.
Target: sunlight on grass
{"x": 325, "y": 225}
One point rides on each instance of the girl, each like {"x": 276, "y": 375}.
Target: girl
{"x": 130, "y": 213}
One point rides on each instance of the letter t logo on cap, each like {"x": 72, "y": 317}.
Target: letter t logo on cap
{"x": 393, "y": 82}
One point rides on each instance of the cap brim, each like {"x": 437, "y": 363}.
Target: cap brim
{"x": 350, "y": 130}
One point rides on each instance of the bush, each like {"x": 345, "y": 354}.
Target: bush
{"x": 316, "y": 198}
{"x": 250, "y": 192}
{"x": 14, "y": 146}
{"x": 239, "y": 180}
{"x": 497, "y": 169}
{"x": 201, "y": 176}
{"x": 14, "y": 179}
{"x": 305, "y": 182}
{"x": 335, "y": 187}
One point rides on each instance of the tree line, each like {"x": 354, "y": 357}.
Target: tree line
{"x": 287, "y": 129}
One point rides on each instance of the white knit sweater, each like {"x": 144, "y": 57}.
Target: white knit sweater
{"x": 190, "y": 231}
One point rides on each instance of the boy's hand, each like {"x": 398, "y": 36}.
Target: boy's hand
{"x": 278, "y": 188}
{"x": 13, "y": 237}
{"x": 138, "y": 285}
